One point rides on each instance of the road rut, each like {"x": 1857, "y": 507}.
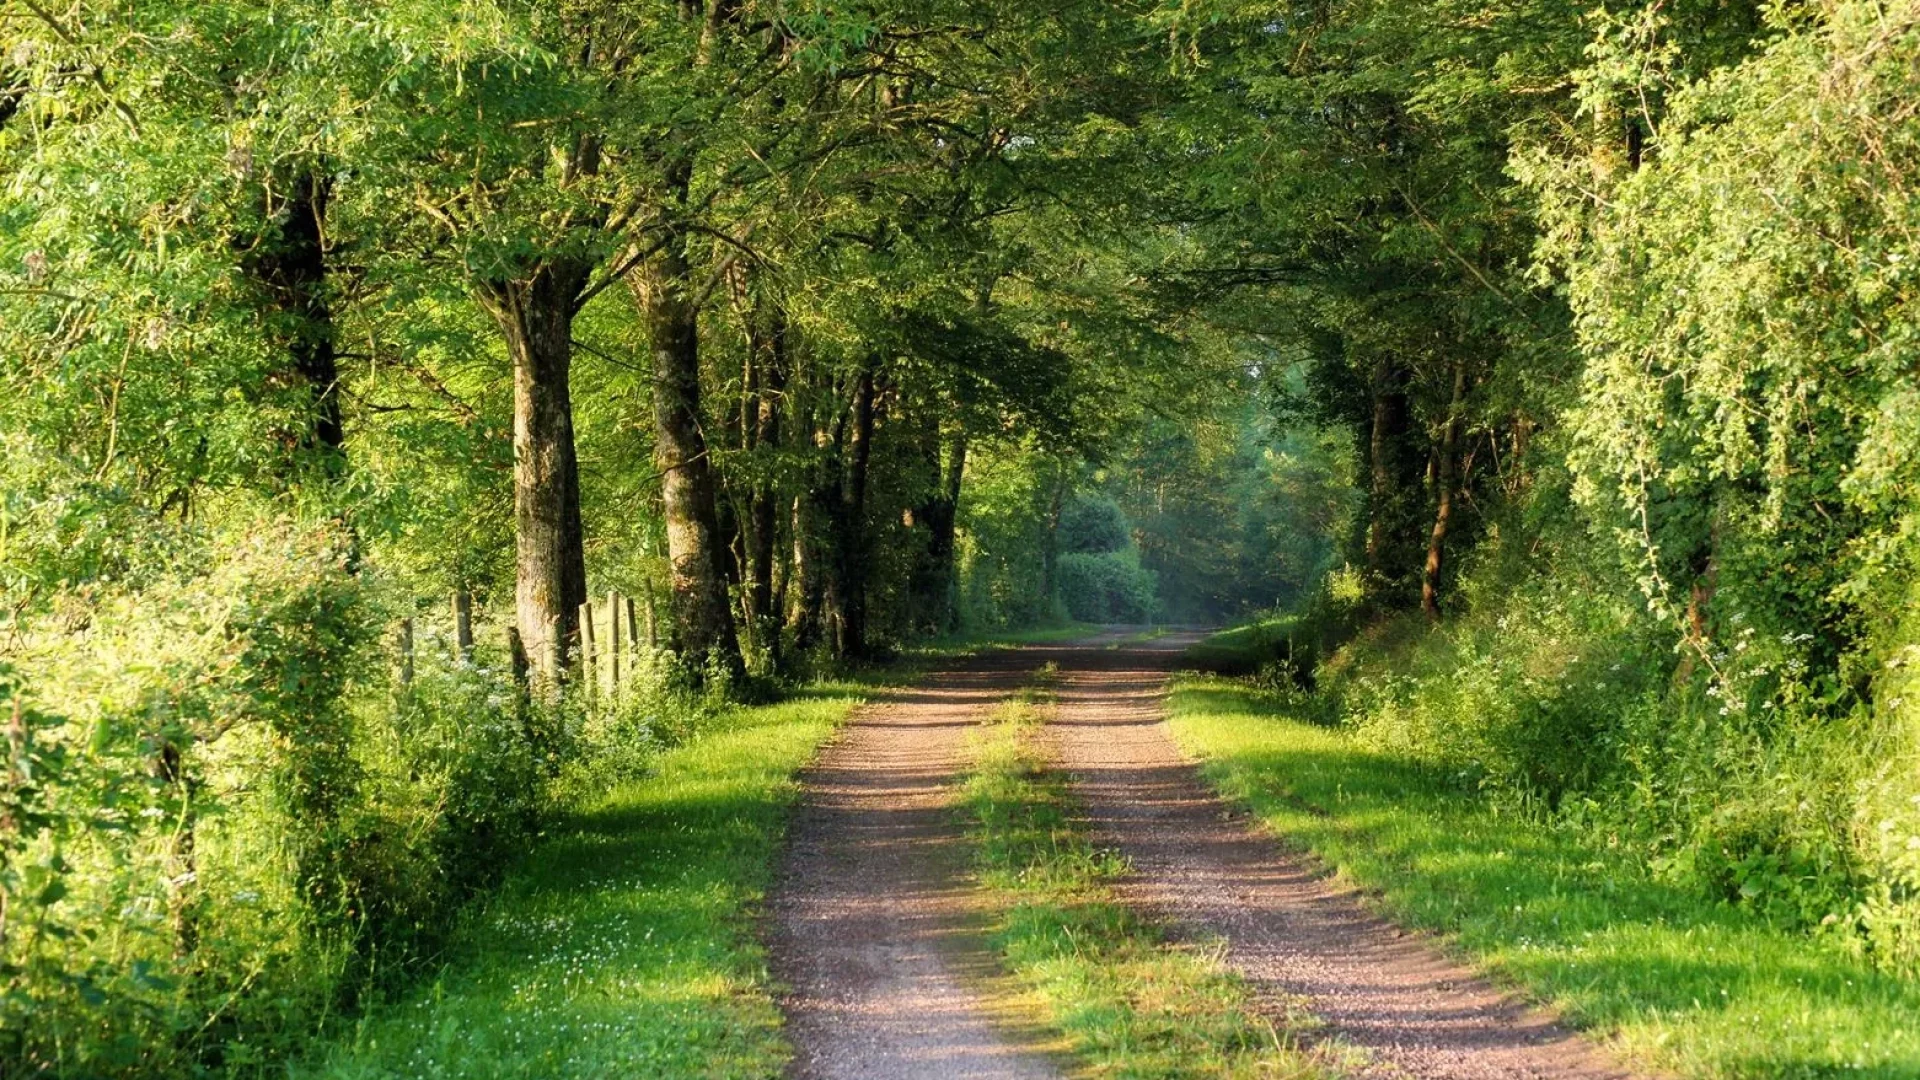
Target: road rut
{"x": 1298, "y": 937}
{"x": 874, "y": 918}
{"x": 876, "y": 923}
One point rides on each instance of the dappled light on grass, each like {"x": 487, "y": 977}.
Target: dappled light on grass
{"x": 1703, "y": 987}
{"x": 623, "y": 945}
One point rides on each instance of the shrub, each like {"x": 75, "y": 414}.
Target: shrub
{"x": 205, "y": 781}
{"x": 1106, "y": 588}
{"x": 1729, "y": 773}
{"x": 453, "y": 791}
{"x": 1093, "y": 525}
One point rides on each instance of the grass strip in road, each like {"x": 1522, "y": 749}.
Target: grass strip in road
{"x": 1128, "y": 1002}
{"x": 1693, "y": 986}
{"x": 625, "y": 945}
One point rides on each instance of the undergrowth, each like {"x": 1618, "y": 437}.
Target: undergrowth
{"x": 624, "y": 944}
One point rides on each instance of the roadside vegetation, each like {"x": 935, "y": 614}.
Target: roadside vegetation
{"x": 1128, "y": 1001}
{"x": 1562, "y": 904}
{"x": 626, "y": 942}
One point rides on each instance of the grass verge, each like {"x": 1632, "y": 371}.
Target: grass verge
{"x": 1700, "y": 988}
{"x": 624, "y": 945}
{"x": 1128, "y": 1003}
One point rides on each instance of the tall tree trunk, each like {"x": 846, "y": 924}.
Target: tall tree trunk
{"x": 1390, "y": 476}
{"x": 809, "y": 583}
{"x": 763, "y": 525}
{"x": 663, "y": 290}
{"x": 535, "y": 315}
{"x": 1444, "y": 481}
{"x": 847, "y": 586}
{"x": 933, "y": 583}
{"x": 293, "y": 267}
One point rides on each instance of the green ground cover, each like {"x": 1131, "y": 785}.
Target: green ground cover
{"x": 625, "y": 944}
{"x": 1703, "y": 988}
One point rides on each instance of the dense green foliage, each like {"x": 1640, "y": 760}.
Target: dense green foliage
{"x": 1611, "y": 304}
{"x": 1556, "y": 361}
{"x": 623, "y": 942}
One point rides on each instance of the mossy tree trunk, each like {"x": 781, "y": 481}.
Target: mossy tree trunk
{"x": 535, "y": 314}
{"x": 703, "y": 618}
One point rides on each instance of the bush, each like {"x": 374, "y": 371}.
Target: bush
{"x": 1557, "y": 696}
{"x": 453, "y": 791}
{"x": 1106, "y": 588}
{"x": 223, "y": 819}
{"x": 1093, "y": 525}
{"x": 197, "y": 778}
{"x": 608, "y": 741}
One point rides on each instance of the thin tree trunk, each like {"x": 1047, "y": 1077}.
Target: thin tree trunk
{"x": 944, "y": 547}
{"x": 1444, "y": 481}
{"x": 701, "y": 611}
{"x": 1050, "y": 542}
{"x": 170, "y": 768}
{"x": 463, "y": 625}
{"x": 535, "y": 315}
{"x": 763, "y": 511}
{"x": 1609, "y": 134}
{"x": 809, "y": 584}
{"x": 1704, "y": 565}
{"x": 847, "y": 587}
{"x": 933, "y": 586}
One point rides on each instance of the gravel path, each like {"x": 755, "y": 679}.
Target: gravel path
{"x": 1294, "y": 934}
{"x": 874, "y": 922}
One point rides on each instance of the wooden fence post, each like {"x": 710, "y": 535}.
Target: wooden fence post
{"x": 463, "y": 625}
{"x": 553, "y": 651}
{"x": 517, "y": 659}
{"x": 589, "y": 652}
{"x": 406, "y": 653}
{"x": 613, "y": 644}
{"x": 633, "y": 625}
{"x": 653, "y": 623}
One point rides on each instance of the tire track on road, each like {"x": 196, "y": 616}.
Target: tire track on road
{"x": 1298, "y": 937}
{"x": 875, "y": 920}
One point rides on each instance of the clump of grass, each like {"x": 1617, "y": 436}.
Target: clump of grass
{"x": 1128, "y": 1002}
{"x": 624, "y": 945}
{"x": 1699, "y": 987}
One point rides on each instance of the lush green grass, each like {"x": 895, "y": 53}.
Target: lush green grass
{"x": 1128, "y": 1003}
{"x": 1701, "y": 988}
{"x": 625, "y": 944}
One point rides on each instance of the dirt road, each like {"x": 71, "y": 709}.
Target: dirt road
{"x": 875, "y": 922}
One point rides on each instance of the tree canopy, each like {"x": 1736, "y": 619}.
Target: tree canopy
{"x": 819, "y": 329}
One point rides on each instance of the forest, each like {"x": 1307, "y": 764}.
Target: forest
{"x": 422, "y": 418}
